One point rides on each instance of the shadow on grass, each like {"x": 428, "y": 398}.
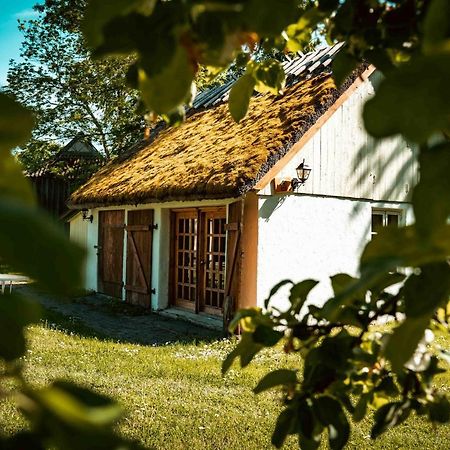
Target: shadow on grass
{"x": 55, "y": 320}
{"x": 154, "y": 331}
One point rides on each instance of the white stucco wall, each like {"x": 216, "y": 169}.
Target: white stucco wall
{"x": 78, "y": 234}
{"x": 303, "y": 236}
{"x": 160, "y": 250}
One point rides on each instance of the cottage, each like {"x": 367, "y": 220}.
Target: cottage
{"x": 215, "y": 213}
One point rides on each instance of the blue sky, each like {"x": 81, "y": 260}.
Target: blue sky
{"x": 10, "y": 37}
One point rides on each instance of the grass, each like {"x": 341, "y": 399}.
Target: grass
{"x": 175, "y": 397}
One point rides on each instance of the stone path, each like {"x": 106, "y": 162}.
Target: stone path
{"x": 121, "y": 322}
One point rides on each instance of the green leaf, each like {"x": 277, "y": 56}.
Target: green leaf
{"x": 12, "y": 182}
{"x": 436, "y": 26}
{"x": 78, "y": 406}
{"x": 328, "y": 5}
{"x": 431, "y": 196}
{"x": 284, "y": 426}
{"x": 424, "y": 293}
{"x": 299, "y": 34}
{"x": 390, "y": 415}
{"x": 361, "y": 407}
{"x": 274, "y": 290}
{"x": 34, "y": 245}
{"x": 266, "y": 336}
{"x": 343, "y": 65}
{"x": 299, "y": 294}
{"x": 241, "y": 314}
{"x": 276, "y": 378}
{"x": 394, "y": 109}
{"x": 340, "y": 282}
{"x": 16, "y": 123}
{"x": 271, "y": 17}
{"x": 246, "y": 349}
{"x": 240, "y": 96}
{"x": 270, "y": 76}
{"x": 402, "y": 247}
{"x": 16, "y": 312}
{"x": 98, "y": 13}
{"x": 404, "y": 340}
{"x": 329, "y": 412}
{"x": 439, "y": 410}
{"x": 170, "y": 87}
{"x": 176, "y": 117}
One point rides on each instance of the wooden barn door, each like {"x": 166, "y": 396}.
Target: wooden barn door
{"x": 139, "y": 257}
{"x": 110, "y": 252}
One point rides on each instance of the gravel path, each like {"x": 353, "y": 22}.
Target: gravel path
{"x": 122, "y": 322}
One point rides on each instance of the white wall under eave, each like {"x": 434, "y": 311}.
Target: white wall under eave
{"x": 302, "y": 236}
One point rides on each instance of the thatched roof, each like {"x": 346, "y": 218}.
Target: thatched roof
{"x": 209, "y": 156}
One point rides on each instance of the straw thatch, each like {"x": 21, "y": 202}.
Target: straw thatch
{"x": 210, "y": 156}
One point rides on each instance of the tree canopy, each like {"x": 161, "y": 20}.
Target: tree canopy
{"x": 67, "y": 90}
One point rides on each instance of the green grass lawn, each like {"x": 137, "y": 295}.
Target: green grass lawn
{"x": 175, "y": 397}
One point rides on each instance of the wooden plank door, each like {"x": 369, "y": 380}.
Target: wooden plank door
{"x": 213, "y": 258}
{"x": 184, "y": 259}
{"x": 110, "y": 252}
{"x": 139, "y": 257}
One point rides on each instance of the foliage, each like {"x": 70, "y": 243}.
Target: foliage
{"x": 36, "y": 153}
{"x": 409, "y": 42}
{"x": 69, "y": 91}
{"x": 61, "y": 414}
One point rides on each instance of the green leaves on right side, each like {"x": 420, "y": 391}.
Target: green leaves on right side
{"x": 413, "y": 100}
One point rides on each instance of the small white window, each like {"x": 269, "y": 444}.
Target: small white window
{"x": 384, "y": 218}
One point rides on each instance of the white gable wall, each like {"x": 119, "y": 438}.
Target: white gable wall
{"x": 347, "y": 162}
{"x": 322, "y": 229}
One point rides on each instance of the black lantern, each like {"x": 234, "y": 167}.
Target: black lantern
{"x": 85, "y": 216}
{"x": 303, "y": 172}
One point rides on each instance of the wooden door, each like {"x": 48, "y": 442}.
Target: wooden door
{"x": 139, "y": 257}
{"x": 110, "y": 252}
{"x": 213, "y": 261}
{"x": 184, "y": 259}
{"x": 198, "y": 259}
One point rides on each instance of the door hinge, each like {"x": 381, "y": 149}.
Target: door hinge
{"x": 153, "y": 291}
{"x": 154, "y": 226}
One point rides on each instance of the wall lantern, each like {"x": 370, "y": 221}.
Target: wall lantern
{"x": 85, "y": 216}
{"x": 303, "y": 172}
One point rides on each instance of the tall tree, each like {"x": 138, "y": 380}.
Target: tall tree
{"x": 68, "y": 90}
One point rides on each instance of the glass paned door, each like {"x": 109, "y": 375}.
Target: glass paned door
{"x": 198, "y": 259}
{"x": 185, "y": 259}
{"x": 215, "y": 242}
